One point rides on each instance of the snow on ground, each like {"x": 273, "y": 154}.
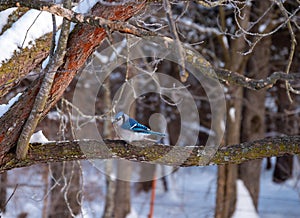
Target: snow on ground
{"x": 278, "y": 200}
{"x": 244, "y": 206}
{"x": 191, "y": 194}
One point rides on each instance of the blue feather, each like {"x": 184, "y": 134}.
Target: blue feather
{"x": 134, "y": 126}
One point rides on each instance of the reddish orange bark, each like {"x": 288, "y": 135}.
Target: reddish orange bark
{"x": 82, "y": 43}
{"x": 151, "y": 213}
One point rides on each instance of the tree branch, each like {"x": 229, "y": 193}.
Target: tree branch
{"x": 145, "y": 151}
{"x": 206, "y": 69}
{"x": 81, "y": 44}
{"x": 235, "y": 78}
{"x": 40, "y": 101}
{"x": 180, "y": 51}
{"x": 113, "y": 25}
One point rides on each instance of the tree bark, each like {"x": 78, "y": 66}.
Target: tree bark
{"x": 22, "y": 63}
{"x": 3, "y": 192}
{"x": 145, "y": 151}
{"x": 253, "y": 125}
{"x": 227, "y": 175}
{"x": 288, "y": 125}
{"x": 122, "y": 194}
{"x": 82, "y": 42}
{"x": 110, "y": 182}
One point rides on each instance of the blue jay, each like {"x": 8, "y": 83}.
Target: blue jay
{"x": 131, "y": 130}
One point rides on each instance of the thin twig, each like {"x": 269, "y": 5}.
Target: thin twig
{"x": 52, "y": 48}
{"x": 173, "y": 30}
{"x": 292, "y": 49}
{"x": 12, "y": 194}
{"x": 30, "y": 28}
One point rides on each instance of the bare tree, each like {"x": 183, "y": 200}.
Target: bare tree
{"x": 236, "y": 39}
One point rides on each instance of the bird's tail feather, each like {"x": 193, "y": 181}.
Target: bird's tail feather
{"x": 157, "y": 133}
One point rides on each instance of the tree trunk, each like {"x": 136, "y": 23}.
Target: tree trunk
{"x": 45, "y": 177}
{"x": 110, "y": 182}
{"x": 253, "y": 126}
{"x": 227, "y": 175}
{"x": 110, "y": 191}
{"x": 3, "y": 193}
{"x": 287, "y": 124}
{"x": 122, "y": 195}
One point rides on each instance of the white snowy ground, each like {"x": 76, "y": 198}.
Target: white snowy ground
{"x": 191, "y": 194}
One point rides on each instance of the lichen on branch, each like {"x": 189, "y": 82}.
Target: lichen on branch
{"x": 145, "y": 151}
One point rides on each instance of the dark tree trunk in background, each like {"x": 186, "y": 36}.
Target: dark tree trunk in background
{"x": 122, "y": 195}
{"x": 283, "y": 168}
{"x": 227, "y": 175}
{"x": 253, "y": 124}
{"x": 3, "y": 193}
{"x": 108, "y": 133}
{"x": 146, "y": 170}
{"x": 286, "y": 124}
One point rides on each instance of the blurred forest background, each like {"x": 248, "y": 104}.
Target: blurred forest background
{"x": 252, "y": 38}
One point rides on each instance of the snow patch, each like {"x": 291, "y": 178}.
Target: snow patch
{"x": 262, "y": 28}
{"x": 85, "y": 6}
{"x": 31, "y": 26}
{"x": 232, "y": 113}
{"x": 225, "y": 42}
{"x": 4, "y": 16}
{"x": 5, "y": 107}
{"x": 223, "y": 126}
{"x": 244, "y": 206}
{"x": 38, "y": 137}
{"x": 132, "y": 214}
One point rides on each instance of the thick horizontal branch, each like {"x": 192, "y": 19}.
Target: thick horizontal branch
{"x": 145, "y": 151}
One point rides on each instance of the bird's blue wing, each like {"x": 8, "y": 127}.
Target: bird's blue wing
{"x": 137, "y": 127}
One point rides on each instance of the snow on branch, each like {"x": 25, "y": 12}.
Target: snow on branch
{"x": 112, "y": 25}
{"x": 40, "y": 101}
{"x": 144, "y": 151}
